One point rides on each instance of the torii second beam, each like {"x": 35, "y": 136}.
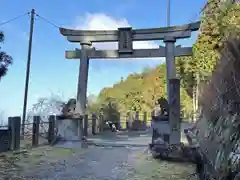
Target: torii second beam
{"x": 137, "y": 53}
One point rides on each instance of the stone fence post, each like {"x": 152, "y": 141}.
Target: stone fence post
{"x": 35, "y": 130}
{"x": 85, "y": 129}
{"x": 101, "y": 121}
{"x": 136, "y": 116}
{"x": 145, "y": 118}
{"x": 128, "y": 120}
{"x": 94, "y": 124}
{"x": 123, "y": 121}
{"x": 51, "y": 129}
{"x": 14, "y": 125}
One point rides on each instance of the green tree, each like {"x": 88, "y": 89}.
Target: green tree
{"x": 5, "y": 59}
{"x": 219, "y": 21}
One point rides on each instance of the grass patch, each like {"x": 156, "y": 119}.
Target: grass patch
{"x": 147, "y": 168}
{"x": 12, "y": 163}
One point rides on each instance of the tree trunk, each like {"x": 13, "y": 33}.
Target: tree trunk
{"x": 194, "y": 104}
{"x": 197, "y": 97}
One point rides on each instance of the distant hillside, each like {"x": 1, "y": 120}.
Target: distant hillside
{"x": 138, "y": 92}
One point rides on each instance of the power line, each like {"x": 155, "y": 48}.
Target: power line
{"x": 13, "y": 19}
{"x": 28, "y": 13}
{"x": 47, "y": 21}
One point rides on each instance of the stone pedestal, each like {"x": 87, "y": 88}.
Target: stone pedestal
{"x": 68, "y": 129}
{"x": 160, "y": 130}
{"x": 161, "y": 126}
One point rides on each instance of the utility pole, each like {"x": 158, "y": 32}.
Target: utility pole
{"x": 168, "y": 24}
{"x": 28, "y": 71}
{"x": 169, "y": 13}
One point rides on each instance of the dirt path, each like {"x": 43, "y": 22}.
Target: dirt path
{"x": 122, "y": 156}
{"x": 98, "y": 163}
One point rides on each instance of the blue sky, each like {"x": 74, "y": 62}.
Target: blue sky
{"x": 51, "y": 73}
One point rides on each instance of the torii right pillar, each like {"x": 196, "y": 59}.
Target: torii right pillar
{"x": 173, "y": 92}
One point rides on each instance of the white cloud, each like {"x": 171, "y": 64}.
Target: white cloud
{"x": 101, "y": 21}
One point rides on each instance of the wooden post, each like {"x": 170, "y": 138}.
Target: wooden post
{"x": 17, "y": 131}
{"x": 10, "y": 127}
{"x": 123, "y": 124}
{"x": 136, "y": 116}
{"x": 129, "y": 120}
{"x": 145, "y": 118}
{"x": 14, "y": 124}
{"x": 51, "y": 127}
{"x": 94, "y": 124}
{"x": 35, "y": 130}
{"x": 135, "y": 123}
{"x": 101, "y": 120}
{"x": 97, "y": 124}
{"x": 118, "y": 118}
{"x": 85, "y": 130}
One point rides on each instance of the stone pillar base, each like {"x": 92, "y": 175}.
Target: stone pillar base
{"x": 68, "y": 130}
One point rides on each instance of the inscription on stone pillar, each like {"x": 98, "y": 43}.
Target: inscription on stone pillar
{"x": 125, "y": 44}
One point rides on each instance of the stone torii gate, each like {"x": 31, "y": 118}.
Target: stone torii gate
{"x": 125, "y": 37}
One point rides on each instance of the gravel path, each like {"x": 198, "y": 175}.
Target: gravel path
{"x": 111, "y": 164}
{"x": 95, "y": 163}
{"x": 116, "y": 160}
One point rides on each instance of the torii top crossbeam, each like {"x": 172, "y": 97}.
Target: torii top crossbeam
{"x": 177, "y": 32}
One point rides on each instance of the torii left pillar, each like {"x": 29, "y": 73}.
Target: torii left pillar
{"x": 170, "y": 61}
{"x": 173, "y": 92}
{"x": 82, "y": 86}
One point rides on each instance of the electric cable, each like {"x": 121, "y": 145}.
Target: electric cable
{"x": 13, "y": 19}
{"x": 47, "y": 21}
